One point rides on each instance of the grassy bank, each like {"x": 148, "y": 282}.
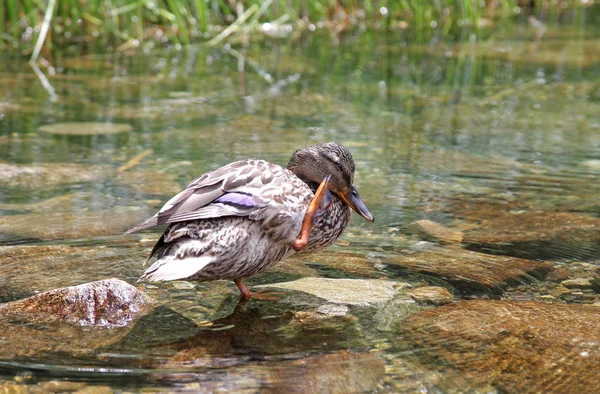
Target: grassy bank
{"x": 83, "y": 26}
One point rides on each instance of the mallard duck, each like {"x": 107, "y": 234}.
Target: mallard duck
{"x": 237, "y": 221}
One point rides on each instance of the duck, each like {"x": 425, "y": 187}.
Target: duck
{"x": 237, "y": 221}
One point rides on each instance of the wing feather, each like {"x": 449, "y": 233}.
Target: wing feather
{"x": 237, "y": 189}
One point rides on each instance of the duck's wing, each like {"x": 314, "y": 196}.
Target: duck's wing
{"x": 242, "y": 188}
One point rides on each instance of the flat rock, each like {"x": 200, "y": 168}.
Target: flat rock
{"x": 104, "y": 303}
{"x": 431, "y": 295}
{"x": 33, "y": 177}
{"x": 471, "y": 271}
{"x": 511, "y": 346}
{"x": 538, "y": 235}
{"x": 435, "y": 232}
{"x": 365, "y": 292}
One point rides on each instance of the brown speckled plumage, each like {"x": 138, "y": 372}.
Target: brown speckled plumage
{"x": 238, "y": 220}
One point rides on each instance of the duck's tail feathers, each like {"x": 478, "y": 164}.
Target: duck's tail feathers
{"x": 172, "y": 268}
{"x": 153, "y": 221}
{"x": 157, "y": 246}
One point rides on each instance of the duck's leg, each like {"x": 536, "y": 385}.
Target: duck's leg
{"x": 307, "y": 222}
{"x": 246, "y": 293}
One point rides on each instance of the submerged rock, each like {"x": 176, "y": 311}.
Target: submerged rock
{"x": 336, "y": 372}
{"x": 435, "y": 232}
{"x": 71, "y": 224}
{"x": 70, "y": 321}
{"x": 539, "y": 235}
{"x": 469, "y": 271}
{"x": 509, "y": 345}
{"x": 578, "y": 283}
{"x": 339, "y": 372}
{"x": 28, "y": 269}
{"x": 33, "y": 177}
{"x": 86, "y": 128}
{"x": 64, "y": 202}
{"x": 431, "y": 295}
{"x": 105, "y": 303}
{"x": 325, "y": 311}
{"x": 355, "y": 264}
{"x": 364, "y": 292}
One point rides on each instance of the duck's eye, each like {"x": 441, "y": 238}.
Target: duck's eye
{"x": 339, "y": 166}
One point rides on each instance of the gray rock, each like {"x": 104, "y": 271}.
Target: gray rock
{"x": 364, "y": 292}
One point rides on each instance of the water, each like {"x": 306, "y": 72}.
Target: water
{"x": 467, "y": 134}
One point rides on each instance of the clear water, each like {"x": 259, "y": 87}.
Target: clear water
{"x": 510, "y": 121}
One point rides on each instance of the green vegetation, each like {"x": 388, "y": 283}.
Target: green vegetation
{"x": 115, "y": 25}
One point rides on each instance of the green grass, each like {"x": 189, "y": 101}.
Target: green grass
{"x": 117, "y": 25}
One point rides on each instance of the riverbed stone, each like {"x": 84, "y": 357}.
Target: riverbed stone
{"x": 40, "y": 176}
{"x": 95, "y": 390}
{"x": 363, "y": 292}
{"x": 339, "y": 372}
{"x": 70, "y": 321}
{"x": 30, "y": 269}
{"x": 64, "y": 202}
{"x": 513, "y": 346}
{"x": 104, "y": 303}
{"x": 336, "y": 372}
{"x": 72, "y": 224}
{"x": 61, "y": 386}
{"x": 434, "y": 295}
{"x": 470, "y": 271}
{"x": 538, "y": 235}
{"x": 434, "y": 232}
{"x": 578, "y": 283}
{"x": 352, "y": 263}
{"x": 322, "y": 312}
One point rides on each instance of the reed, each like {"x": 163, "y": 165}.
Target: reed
{"x": 109, "y": 25}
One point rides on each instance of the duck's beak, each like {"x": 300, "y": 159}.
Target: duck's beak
{"x": 354, "y": 201}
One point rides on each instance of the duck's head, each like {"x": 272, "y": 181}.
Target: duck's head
{"x": 314, "y": 163}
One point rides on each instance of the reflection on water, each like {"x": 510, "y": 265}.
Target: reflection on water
{"x": 476, "y": 157}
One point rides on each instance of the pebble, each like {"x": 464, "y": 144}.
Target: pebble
{"x": 577, "y": 283}
{"x": 60, "y": 386}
